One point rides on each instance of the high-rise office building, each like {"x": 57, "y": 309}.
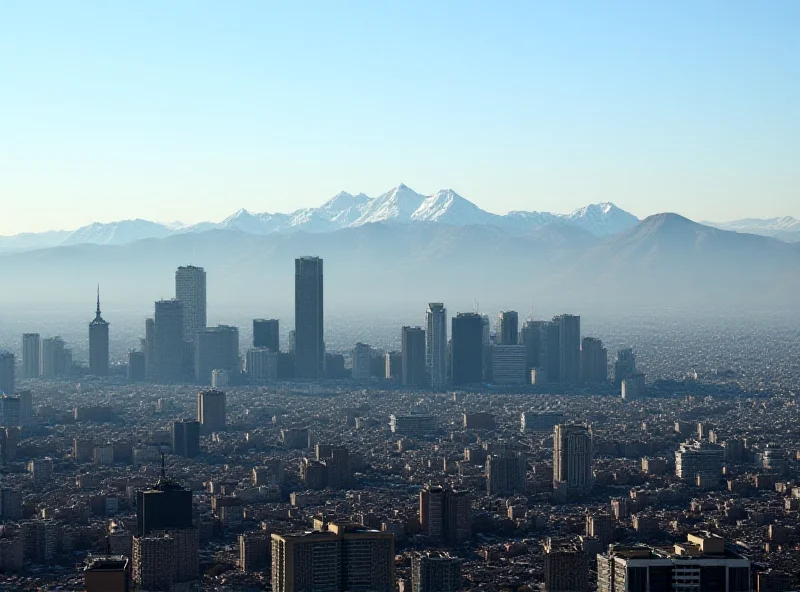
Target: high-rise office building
{"x": 168, "y": 341}
{"x": 702, "y": 459}
{"x": 445, "y": 515}
{"x": 436, "y": 344}
{"x": 569, "y": 348}
{"x": 166, "y": 559}
{"x": 594, "y": 360}
{"x": 467, "y": 348}
{"x": 137, "y": 366}
{"x": 106, "y": 573}
{"x": 508, "y": 328}
{"x": 309, "y": 344}
{"x": 505, "y": 473}
{"x": 566, "y": 567}
{"x": 413, "y": 364}
{"x": 550, "y": 353}
{"x": 262, "y": 365}
{"x": 266, "y": 333}
{"x": 362, "y": 358}
{"x": 344, "y": 557}
{"x": 435, "y": 571}
{"x": 25, "y": 406}
{"x": 98, "y": 343}
{"x": 211, "y": 410}
{"x": 186, "y": 438}
{"x": 216, "y": 348}
{"x": 393, "y": 362}
{"x": 509, "y": 364}
{"x": 624, "y": 366}
{"x": 7, "y": 370}
{"x": 540, "y": 421}
{"x": 190, "y": 291}
{"x": 10, "y": 411}
{"x": 149, "y": 347}
{"x": 56, "y": 357}
{"x": 701, "y": 563}
{"x": 254, "y": 549}
{"x": 531, "y": 338}
{"x": 31, "y": 355}
{"x": 573, "y": 458}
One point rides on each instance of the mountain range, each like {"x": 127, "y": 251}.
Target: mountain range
{"x": 665, "y": 261}
{"x": 401, "y": 205}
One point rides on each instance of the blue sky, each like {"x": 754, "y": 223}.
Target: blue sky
{"x": 191, "y": 110}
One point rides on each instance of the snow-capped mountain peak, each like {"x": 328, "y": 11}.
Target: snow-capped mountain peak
{"x": 396, "y": 205}
{"x": 449, "y": 207}
{"x": 602, "y": 219}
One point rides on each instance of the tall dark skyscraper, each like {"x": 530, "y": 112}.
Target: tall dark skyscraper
{"x": 531, "y": 335}
{"x": 216, "y": 348}
{"x": 309, "y": 345}
{"x": 168, "y": 341}
{"x": 570, "y": 348}
{"x": 467, "y": 348}
{"x": 7, "y": 382}
{"x": 413, "y": 364}
{"x": 594, "y": 360}
{"x": 186, "y": 438}
{"x": 98, "y": 343}
{"x": 165, "y": 506}
{"x": 508, "y": 332}
{"x": 31, "y": 355}
{"x": 266, "y": 333}
{"x": 550, "y": 355}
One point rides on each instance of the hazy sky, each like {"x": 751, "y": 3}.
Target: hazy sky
{"x": 190, "y": 110}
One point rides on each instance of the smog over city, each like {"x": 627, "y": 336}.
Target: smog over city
{"x": 400, "y": 297}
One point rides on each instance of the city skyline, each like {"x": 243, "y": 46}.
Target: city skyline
{"x": 689, "y": 108}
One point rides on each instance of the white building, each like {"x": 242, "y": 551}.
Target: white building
{"x": 31, "y": 355}
{"x": 190, "y": 291}
{"x": 262, "y": 365}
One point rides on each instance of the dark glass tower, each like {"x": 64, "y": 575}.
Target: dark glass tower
{"x": 168, "y": 341}
{"x": 467, "y": 348}
{"x": 508, "y": 333}
{"x": 570, "y": 350}
{"x": 98, "y": 343}
{"x": 309, "y": 347}
{"x": 413, "y": 364}
{"x": 186, "y": 438}
{"x": 266, "y": 333}
{"x": 165, "y": 506}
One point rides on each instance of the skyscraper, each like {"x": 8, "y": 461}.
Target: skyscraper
{"x": 186, "y": 438}
{"x": 505, "y": 473}
{"x": 266, "y": 333}
{"x": 164, "y": 506}
{"x": 106, "y": 573}
{"x": 216, "y": 348}
{"x": 211, "y": 410}
{"x": 361, "y": 356}
{"x": 309, "y": 345}
{"x": 531, "y": 337}
{"x": 168, "y": 341}
{"x": 190, "y": 291}
{"x": 98, "y": 343}
{"x": 467, "y": 348}
{"x": 566, "y": 567}
{"x": 573, "y": 458}
{"x": 570, "y": 348}
{"x": 550, "y": 354}
{"x": 56, "y": 357}
{"x": 436, "y": 344}
{"x": 625, "y": 366}
{"x": 594, "y": 360}
{"x": 7, "y": 383}
{"x": 413, "y": 364}
{"x": 149, "y": 347}
{"x": 435, "y": 571}
{"x": 31, "y": 355}
{"x": 345, "y": 557}
{"x": 445, "y": 515}
{"x": 508, "y": 333}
